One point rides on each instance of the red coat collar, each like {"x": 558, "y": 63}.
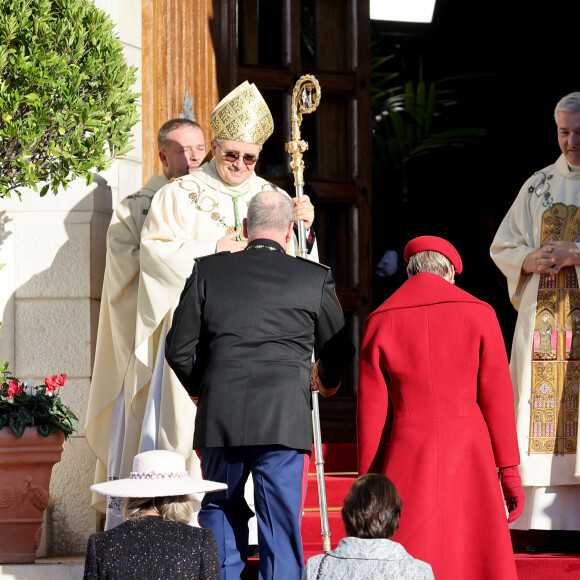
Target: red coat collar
{"x": 424, "y": 289}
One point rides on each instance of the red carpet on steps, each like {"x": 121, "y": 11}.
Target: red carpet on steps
{"x": 548, "y": 566}
{"x": 552, "y": 566}
{"x": 340, "y": 473}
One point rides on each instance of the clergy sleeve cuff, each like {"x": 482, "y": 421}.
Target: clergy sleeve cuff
{"x": 310, "y": 237}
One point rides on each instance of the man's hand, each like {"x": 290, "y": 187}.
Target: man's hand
{"x": 551, "y": 258}
{"x": 303, "y": 210}
{"x": 540, "y": 261}
{"x": 317, "y": 379}
{"x": 314, "y": 378}
{"x": 230, "y": 244}
{"x": 564, "y": 254}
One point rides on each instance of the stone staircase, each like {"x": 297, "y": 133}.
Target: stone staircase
{"x": 340, "y": 473}
{"x": 45, "y": 569}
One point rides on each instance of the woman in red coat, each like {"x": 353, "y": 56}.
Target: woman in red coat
{"x": 436, "y": 355}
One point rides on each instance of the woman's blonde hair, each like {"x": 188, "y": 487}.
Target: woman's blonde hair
{"x": 429, "y": 261}
{"x": 178, "y": 508}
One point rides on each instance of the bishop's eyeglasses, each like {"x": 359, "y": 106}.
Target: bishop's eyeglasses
{"x": 233, "y": 156}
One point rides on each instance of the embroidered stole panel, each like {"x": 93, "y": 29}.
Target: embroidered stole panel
{"x": 556, "y": 345}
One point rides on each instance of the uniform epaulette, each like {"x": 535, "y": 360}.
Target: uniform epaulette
{"x": 315, "y": 263}
{"x": 209, "y": 256}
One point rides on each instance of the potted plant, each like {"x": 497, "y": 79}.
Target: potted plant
{"x": 34, "y": 423}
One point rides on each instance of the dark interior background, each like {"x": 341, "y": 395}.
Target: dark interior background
{"x": 526, "y": 57}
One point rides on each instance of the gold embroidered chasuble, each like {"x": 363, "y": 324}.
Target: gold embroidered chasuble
{"x": 555, "y": 355}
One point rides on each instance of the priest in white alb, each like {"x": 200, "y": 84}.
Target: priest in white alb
{"x": 113, "y": 420}
{"x": 537, "y": 247}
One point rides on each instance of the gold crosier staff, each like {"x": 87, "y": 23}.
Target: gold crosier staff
{"x": 305, "y": 99}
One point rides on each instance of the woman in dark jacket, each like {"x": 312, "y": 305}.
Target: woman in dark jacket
{"x": 155, "y": 540}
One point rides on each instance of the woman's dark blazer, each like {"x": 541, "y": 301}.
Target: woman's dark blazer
{"x": 152, "y": 548}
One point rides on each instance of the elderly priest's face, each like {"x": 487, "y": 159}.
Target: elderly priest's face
{"x": 235, "y": 161}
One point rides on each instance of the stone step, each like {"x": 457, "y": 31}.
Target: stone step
{"x": 66, "y": 568}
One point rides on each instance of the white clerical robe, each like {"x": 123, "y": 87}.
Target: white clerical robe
{"x": 548, "y": 199}
{"x": 111, "y": 383}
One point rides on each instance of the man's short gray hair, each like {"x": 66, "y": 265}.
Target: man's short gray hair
{"x": 429, "y": 261}
{"x": 273, "y": 214}
{"x": 570, "y": 102}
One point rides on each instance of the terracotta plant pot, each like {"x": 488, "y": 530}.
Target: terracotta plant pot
{"x": 25, "y": 470}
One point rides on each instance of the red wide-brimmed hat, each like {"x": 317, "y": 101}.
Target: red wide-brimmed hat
{"x": 434, "y": 244}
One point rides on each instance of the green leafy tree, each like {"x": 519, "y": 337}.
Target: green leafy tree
{"x": 66, "y": 104}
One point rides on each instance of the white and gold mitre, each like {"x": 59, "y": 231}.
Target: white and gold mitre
{"x": 242, "y": 115}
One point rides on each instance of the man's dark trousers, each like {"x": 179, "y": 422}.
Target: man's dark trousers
{"x": 279, "y": 501}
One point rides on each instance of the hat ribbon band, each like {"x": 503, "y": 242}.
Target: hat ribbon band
{"x": 157, "y": 475}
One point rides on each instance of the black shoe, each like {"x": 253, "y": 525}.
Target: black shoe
{"x": 559, "y": 542}
{"x": 544, "y": 548}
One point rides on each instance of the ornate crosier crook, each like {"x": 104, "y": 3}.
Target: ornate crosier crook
{"x": 305, "y": 99}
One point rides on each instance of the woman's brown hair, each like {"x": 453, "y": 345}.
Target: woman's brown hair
{"x": 372, "y": 507}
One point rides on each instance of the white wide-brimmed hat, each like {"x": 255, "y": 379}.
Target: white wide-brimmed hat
{"x": 157, "y": 474}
